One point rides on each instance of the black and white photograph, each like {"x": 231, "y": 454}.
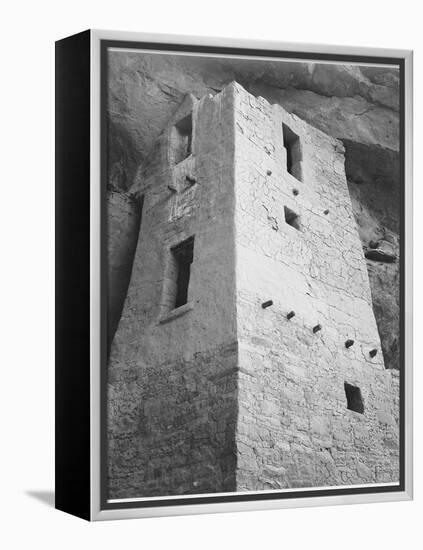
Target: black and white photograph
{"x": 253, "y": 266}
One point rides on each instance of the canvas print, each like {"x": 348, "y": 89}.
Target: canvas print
{"x": 253, "y": 261}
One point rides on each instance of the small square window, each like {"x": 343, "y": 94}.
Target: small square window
{"x": 292, "y": 218}
{"x": 354, "y": 398}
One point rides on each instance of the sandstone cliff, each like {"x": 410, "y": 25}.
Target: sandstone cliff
{"x": 359, "y": 105}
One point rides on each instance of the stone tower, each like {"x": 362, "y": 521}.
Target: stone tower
{"x": 247, "y": 356}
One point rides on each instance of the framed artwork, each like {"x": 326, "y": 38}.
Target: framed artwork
{"x": 234, "y": 300}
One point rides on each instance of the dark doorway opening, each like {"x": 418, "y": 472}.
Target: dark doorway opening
{"x": 183, "y": 255}
{"x": 294, "y": 154}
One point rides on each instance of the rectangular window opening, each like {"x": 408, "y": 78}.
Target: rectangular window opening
{"x": 182, "y": 142}
{"x": 292, "y": 218}
{"x": 294, "y": 154}
{"x": 354, "y": 398}
{"x": 183, "y": 255}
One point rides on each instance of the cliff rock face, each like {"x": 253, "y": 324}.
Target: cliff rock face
{"x": 358, "y": 105}
{"x": 123, "y": 226}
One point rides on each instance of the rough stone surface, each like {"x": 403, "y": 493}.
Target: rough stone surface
{"x": 294, "y": 429}
{"x": 358, "y": 105}
{"x": 222, "y": 394}
{"x": 123, "y": 215}
{"x": 172, "y": 375}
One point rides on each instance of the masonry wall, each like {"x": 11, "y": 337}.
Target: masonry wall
{"x": 172, "y": 373}
{"x": 221, "y": 394}
{"x": 294, "y": 428}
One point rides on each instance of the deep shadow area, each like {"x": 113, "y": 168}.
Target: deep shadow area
{"x": 123, "y": 226}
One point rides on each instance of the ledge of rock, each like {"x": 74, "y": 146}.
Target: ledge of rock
{"x": 379, "y": 255}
